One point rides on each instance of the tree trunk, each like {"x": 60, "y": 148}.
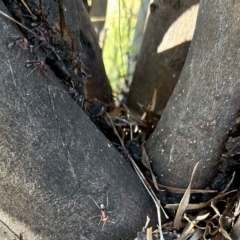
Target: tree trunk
{"x": 204, "y": 103}
{"x": 84, "y": 38}
{"x": 54, "y": 162}
{"x": 158, "y": 69}
{"x": 74, "y": 34}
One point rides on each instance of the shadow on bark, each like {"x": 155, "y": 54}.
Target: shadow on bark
{"x": 151, "y": 68}
{"x": 164, "y": 73}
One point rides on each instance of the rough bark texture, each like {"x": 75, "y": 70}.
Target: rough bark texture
{"x": 84, "y": 38}
{"x": 204, "y": 103}
{"x": 77, "y": 34}
{"x": 158, "y": 69}
{"x": 53, "y": 161}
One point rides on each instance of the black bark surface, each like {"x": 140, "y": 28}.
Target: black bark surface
{"x": 73, "y": 33}
{"x": 53, "y": 160}
{"x": 205, "y": 101}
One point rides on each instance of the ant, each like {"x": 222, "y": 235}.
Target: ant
{"x": 77, "y": 64}
{"x": 84, "y": 77}
{"x": 21, "y": 42}
{"x": 40, "y": 35}
{"x": 104, "y": 217}
{"x": 40, "y": 28}
{"x": 78, "y": 59}
{"x": 35, "y": 64}
{"x": 75, "y": 92}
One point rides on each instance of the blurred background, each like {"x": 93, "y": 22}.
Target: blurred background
{"x": 120, "y": 26}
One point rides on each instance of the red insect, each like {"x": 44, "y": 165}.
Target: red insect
{"x": 35, "y": 64}
{"x": 104, "y": 217}
{"x": 21, "y": 42}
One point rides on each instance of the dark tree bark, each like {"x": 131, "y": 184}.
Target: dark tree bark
{"x": 77, "y": 25}
{"x": 75, "y": 34}
{"x": 53, "y": 161}
{"x": 84, "y": 38}
{"x": 204, "y": 103}
{"x": 158, "y": 69}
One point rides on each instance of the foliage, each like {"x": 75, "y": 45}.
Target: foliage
{"x": 120, "y": 24}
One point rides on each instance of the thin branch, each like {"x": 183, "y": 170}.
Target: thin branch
{"x": 18, "y": 23}
{"x": 229, "y": 184}
{"x": 28, "y": 9}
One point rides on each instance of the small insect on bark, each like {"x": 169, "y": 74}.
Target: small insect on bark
{"x": 35, "y": 64}
{"x": 75, "y": 93}
{"x": 78, "y": 59}
{"x": 85, "y": 77}
{"x": 20, "y": 42}
{"x": 103, "y": 217}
